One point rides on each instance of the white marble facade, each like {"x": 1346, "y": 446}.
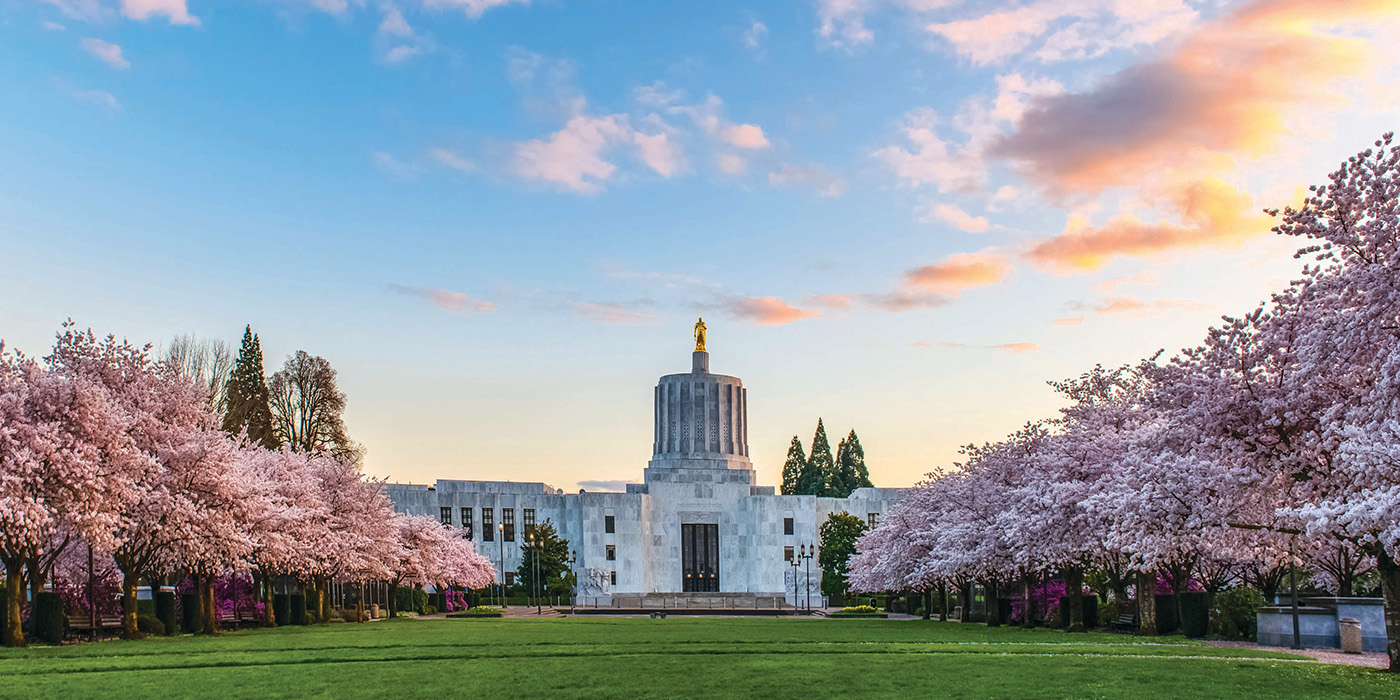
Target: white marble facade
{"x": 699, "y": 474}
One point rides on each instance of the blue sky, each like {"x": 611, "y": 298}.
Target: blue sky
{"x": 499, "y": 219}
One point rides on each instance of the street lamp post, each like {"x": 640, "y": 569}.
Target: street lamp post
{"x": 807, "y": 552}
{"x": 1292, "y": 573}
{"x": 795, "y": 562}
{"x": 573, "y": 559}
{"x": 501, "y": 539}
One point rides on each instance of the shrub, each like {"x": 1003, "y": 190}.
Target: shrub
{"x": 478, "y": 611}
{"x": 165, "y": 611}
{"x": 859, "y": 609}
{"x": 1166, "y": 614}
{"x": 150, "y": 624}
{"x": 1232, "y": 614}
{"x": 411, "y": 599}
{"x": 429, "y": 610}
{"x": 50, "y": 624}
{"x": 311, "y": 617}
{"x": 353, "y": 615}
{"x": 297, "y": 603}
{"x": 1195, "y": 613}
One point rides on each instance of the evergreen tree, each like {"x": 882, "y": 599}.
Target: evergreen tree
{"x": 838, "y": 537}
{"x": 793, "y": 467}
{"x": 844, "y": 474}
{"x": 246, "y": 397}
{"x": 857, "y": 456}
{"x": 850, "y": 467}
{"x": 821, "y": 469}
{"x": 552, "y": 552}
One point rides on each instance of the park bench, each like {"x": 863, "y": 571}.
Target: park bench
{"x": 658, "y": 615}
{"x": 83, "y": 623}
{"x": 1126, "y": 621}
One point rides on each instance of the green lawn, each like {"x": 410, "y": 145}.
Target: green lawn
{"x": 557, "y": 659}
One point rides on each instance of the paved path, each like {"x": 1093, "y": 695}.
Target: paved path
{"x": 1327, "y": 656}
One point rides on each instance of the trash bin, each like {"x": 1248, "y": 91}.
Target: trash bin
{"x": 1351, "y": 635}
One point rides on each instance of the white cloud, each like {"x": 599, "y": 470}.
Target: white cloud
{"x": 52, "y": 26}
{"x": 394, "y": 23}
{"x": 843, "y": 22}
{"x": 399, "y": 54}
{"x": 473, "y": 8}
{"x": 816, "y": 177}
{"x": 960, "y": 219}
{"x": 661, "y": 153}
{"x": 101, "y": 98}
{"x": 108, "y": 53}
{"x": 175, "y": 11}
{"x": 572, "y": 157}
{"x": 732, "y": 164}
{"x": 451, "y": 159}
{"x": 746, "y": 136}
{"x": 390, "y": 164}
{"x": 753, "y": 36}
{"x": 1058, "y": 30}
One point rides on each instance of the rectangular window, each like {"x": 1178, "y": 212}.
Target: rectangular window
{"x": 466, "y": 523}
{"x": 446, "y": 515}
{"x": 612, "y": 577}
{"x": 871, "y": 518}
{"x": 787, "y": 553}
{"x": 529, "y": 515}
{"x": 510, "y": 578}
{"x": 609, "y": 525}
{"x": 488, "y": 525}
{"x": 612, "y": 553}
{"x": 508, "y": 523}
{"x": 787, "y": 526}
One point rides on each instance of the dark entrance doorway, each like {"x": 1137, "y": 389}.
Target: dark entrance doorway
{"x": 700, "y": 558}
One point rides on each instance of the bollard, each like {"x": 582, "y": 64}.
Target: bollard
{"x": 1351, "y": 635}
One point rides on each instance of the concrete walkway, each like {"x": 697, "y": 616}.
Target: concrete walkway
{"x": 1327, "y": 656}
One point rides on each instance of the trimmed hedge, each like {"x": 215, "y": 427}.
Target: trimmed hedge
{"x": 50, "y": 624}
{"x": 165, "y": 610}
{"x": 189, "y": 613}
{"x": 282, "y": 609}
{"x": 150, "y": 624}
{"x": 1166, "y": 614}
{"x": 297, "y": 601}
{"x": 1195, "y": 614}
{"x": 479, "y": 611}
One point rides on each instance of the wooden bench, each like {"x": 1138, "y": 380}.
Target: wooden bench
{"x": 83, "y": 623}
{"x": 1126, "y": 621}
{"x": 658, "y": 616}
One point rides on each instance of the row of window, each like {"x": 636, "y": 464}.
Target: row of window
{"x": 488, "y": 524}
{"x": 488, "y": 532}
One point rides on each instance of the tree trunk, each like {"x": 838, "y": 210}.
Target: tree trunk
{"x": 393, "y": 601}
{"x": 967, "y": 603}
{"x": 321, "y": 584}
{"x": 129, "y": 583}
{"x": 943, "y": 596}
{"x": 1074, "y": 591}
{"x": 927, "y": 596}
{"x": 1389, "y": 571}
{"x": 1147, "y": 603}
{"x": 210, "y": 624}
{"x": 993, "y": 605}
{"x": 13, "y": 634}
{"x": 1028, "y": 603}
{"x": 265, "y": 579}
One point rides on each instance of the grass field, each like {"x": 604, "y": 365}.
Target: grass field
{"x": 556, "y": 659}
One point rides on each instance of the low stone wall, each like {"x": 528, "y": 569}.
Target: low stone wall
{"x": 1318, "y": 626}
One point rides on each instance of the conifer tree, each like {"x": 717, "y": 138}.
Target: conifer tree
{"x": 850, "y": 465}
{"x": 793, "y": 467}
{"x": 821, "y": 469}
{"x": 246, "y": 395}
{"x": 845, "y": 477}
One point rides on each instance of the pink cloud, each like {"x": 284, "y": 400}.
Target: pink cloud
{"x": 765, "y": 311}
{"x": 453, "y": 302}
{"x": 958, "y": 272}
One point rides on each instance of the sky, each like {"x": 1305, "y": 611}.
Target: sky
{"x": 499, "y": 219}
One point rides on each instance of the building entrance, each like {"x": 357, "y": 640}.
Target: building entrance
{"x": 700, "y": 558}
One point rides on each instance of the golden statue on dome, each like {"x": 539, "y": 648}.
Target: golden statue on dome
{"x": 700, "y": 335}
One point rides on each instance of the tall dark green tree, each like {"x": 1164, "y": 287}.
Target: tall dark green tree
{"x": 838, "y": 543}
{"x": 792, "y": 468}
{"x": 821, "y": 468}
{"x": 553, "y": 554}
{"x": 850, "y": 466}
{"x": 246, "y": 397}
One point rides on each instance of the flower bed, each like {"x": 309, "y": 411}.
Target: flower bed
{"x": 478, "y": 611}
